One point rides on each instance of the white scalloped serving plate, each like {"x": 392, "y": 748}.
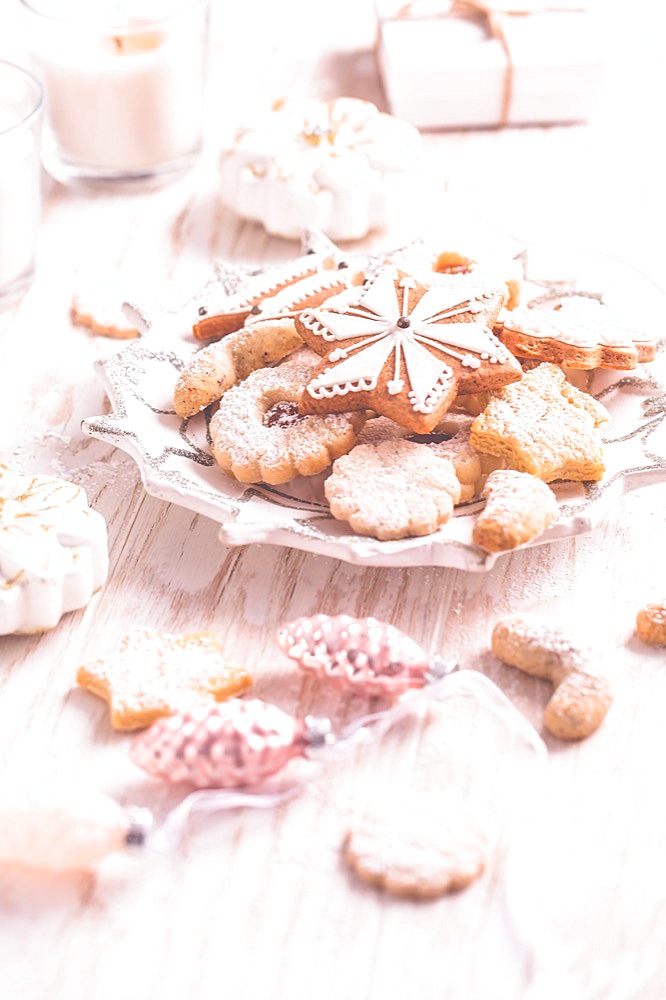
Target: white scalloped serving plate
{"x": 175, "y": 462}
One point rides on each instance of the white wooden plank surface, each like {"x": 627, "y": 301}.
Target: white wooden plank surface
{"x": 259, "y": 904}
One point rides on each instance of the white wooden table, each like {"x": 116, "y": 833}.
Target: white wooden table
{"x": 256, "y": 904}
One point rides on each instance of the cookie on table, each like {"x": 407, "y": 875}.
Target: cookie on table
{"x": 53, "y": 551}
{"x": 579, "y": 332}
{"x": 338, "y": 166}
{"x": 411, "y": 852}
{"x": 259, "y": 436}
{"x": 394, "y": 489}
{"x": 425, "y": 823}
{"x": 100, "y": 310}
{"x": 519, "y": 507}
{"x": 651, "y": 623}
{"x": 153, "y": 674}
{"x": 405, "y": 350}
{"x": 543, "y": 425}
{"x": 582, "y": 692}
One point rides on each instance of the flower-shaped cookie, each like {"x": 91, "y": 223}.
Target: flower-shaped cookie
{"x": 394, "y": 489}
{"x": 334, "y": 165}
{"x": 405, "y": 350}
{"x": 153, "y": 674}
{"x": 53, "y": 551}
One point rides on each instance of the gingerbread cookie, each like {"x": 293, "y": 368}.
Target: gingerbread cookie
{"x": 579, "y": 332}
{"x": 405, "y": 350}
{"x": 259, "y": 436}
{"x": 394, "y": 489}
{"x": 153, "y": 674}
{"x": 545, "y": 426}
{"x": 519, "y": 507}
{"x": 284, "y": 290}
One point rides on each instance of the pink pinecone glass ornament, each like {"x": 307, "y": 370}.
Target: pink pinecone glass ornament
{"x": 229, "y": 744}
{"x": 362, "y": 653}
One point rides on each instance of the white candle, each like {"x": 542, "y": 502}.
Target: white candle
{"x": 125, "y": 99}
{"x": 20, "y": 193}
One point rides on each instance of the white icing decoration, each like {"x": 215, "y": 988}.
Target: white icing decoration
{"x": 263, "y": 285}
{"x": 287, "y": 300}
{"x": 381, "y": 324}
{"x": 579, "y": 322}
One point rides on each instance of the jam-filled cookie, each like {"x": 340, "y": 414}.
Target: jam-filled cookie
{"x": 258, "y": 435}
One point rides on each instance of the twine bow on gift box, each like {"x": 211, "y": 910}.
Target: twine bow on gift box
{"x": 496, "y": 18}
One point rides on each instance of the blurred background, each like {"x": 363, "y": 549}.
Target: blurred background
{"x": 578, "y": 185}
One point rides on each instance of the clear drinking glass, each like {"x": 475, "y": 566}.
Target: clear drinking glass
{"x": 20, "y": 179}
{"x": 124, "y": 85}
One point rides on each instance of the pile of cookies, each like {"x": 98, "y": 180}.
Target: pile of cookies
{"x": 413, "y": 386}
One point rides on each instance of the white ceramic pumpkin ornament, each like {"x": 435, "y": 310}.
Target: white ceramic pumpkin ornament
{"x": 53, "y": 551}
{"x": 339, "y": 166}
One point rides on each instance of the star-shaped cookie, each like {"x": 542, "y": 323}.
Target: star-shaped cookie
{"x": 405, "y": 349}
{"x": 154, "y": 673}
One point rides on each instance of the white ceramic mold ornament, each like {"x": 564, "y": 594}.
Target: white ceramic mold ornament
{"x": 53, "y": 551}
{"x": 338, "y": 166}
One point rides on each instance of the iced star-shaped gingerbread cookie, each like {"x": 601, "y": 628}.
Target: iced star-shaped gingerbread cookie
{"x": 154, "y": 673}
{"x": 405, "y": 349}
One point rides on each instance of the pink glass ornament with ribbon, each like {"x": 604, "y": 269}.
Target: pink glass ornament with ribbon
{"x": 364, "y": 654}
{"x": 229, "y": 751}
{"x": 231, "y": 744}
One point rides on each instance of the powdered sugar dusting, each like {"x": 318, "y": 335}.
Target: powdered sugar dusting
{"x": 253, "y": 449}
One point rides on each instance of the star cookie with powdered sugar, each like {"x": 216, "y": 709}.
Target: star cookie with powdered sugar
{"x": 153, "y": 673}
{"x": 405, "y": 349}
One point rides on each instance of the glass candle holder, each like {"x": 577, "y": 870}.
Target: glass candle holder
{"x": 124, "y": 85}
{"x": 20, "y": 179}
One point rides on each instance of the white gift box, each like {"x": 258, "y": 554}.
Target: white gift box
{"x": 445, "y": 66}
